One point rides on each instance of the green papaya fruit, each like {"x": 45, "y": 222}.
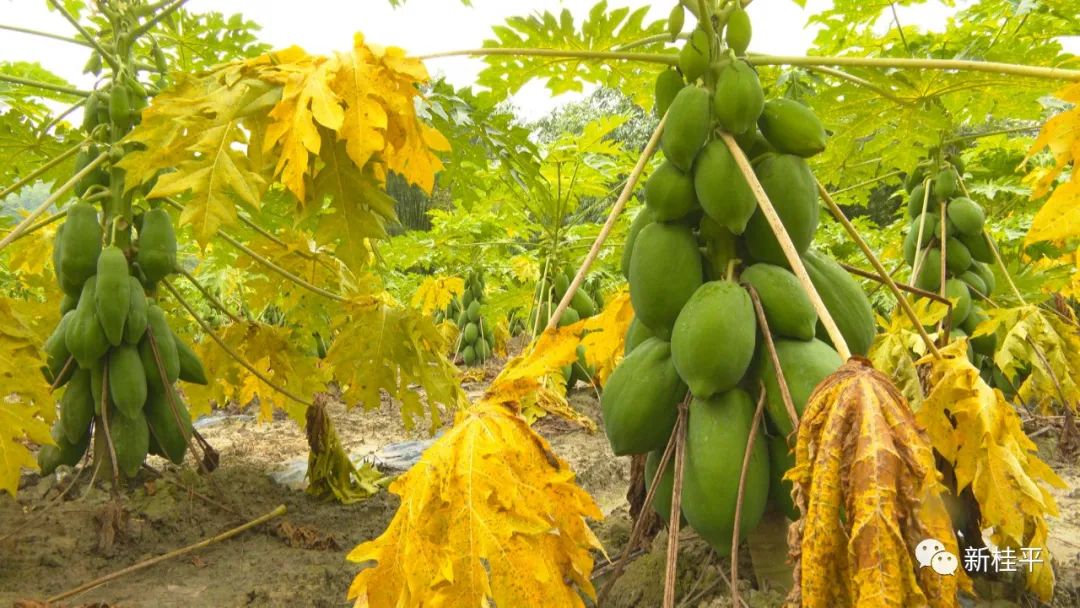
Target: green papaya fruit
{"x": 979, "y": 247}
{"x": 805, "y": 365}
{"x": 787, "y": 307}
{"x": 130, "y": 439}
{"x": 112, "y": 297}
{"x": 569, "y": 317}
{"x": 640, "y": 400}
{"x": 721, "y": 189}
{"x": 718, "y": 430}
{"x": 468, "y": 355}
{"x": 157, "y": 245}
{"x": 478, "y": 290}
{"x": 987, "y": 275}
{"x": 662, "y": 499}
{"x": 77, "y": 407}
{"x": 792, "y": 190}
{"x": 911, "y": 247}
{"x": 97, "y": 384}
{"x": 916, "y": 177}
{"x": 642, "y": 219}
{"x": 669, "y": 193}
{"x": 984, "y": 344}
{"x": 712, "y": 343}
{"x": 738, "y": 100}
{"x": 474, "y": 311}
{"x": 64, "y": 452}
{"x": 636, "y": 333}
{"x": 781, "y": 460}
{"x": 169, "y": 430}
{"x": 57, "y": 354}
{"x": 83, "y": 335}
{"x": 469, "y": 334}
{"x": 945, "y": 184}
{"x": 68, "y": 304}
{"x": 676, "y": 20}
{"x": 918, "y": 201}
{"x": 582, "y": 303}
{"x": 562, "y": 284}
{"x": 792, "y": 128}
{"x": 929, "y": 278}
{"x": 738, "y": 31}
{"x": 665, "y": 270}
{"x": 483, "y": 351}
{"x": 120, "y": 106}
{"x": 462, "y": 318}
{"x": 687, "y": 127}
{"x": 127, "y": 380}
{"x": 844, "y": 299}
{"x": 974, "y": 282}
{"x": 694, "y": 56}
{"x": 967, "y": 215}
{"x": 957, "y": 291}
{"x": 90, "y": 113}
{"x": 135, "y": 326}
{"x": 957, "y": 256}
{"x": 158, "y": 328}
{"x": 80, "y": 245}
{"x": 720, "y": 247}
{"x": 928, "y": 225}
{"x": 668, "y": 85}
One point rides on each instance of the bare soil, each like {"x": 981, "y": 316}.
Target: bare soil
{"x": 49, "y": 545}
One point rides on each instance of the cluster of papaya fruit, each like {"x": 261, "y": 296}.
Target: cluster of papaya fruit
{"x": 113, "y": 350}
{"x": 477, "y": 339}
{"x": 690, "y": 256}
{"x": 549, "y": 292}
{"x": 947, "y": 237}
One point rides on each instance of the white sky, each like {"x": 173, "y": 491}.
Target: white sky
{"x": 421, "y": 26}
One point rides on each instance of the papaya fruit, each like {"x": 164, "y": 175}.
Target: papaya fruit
{"x": 945, "y": 184}
{"x": 112, "y": 297}
{"x": 127, "y": 380}
{"x": 918, "y": 200}
{"x": 738, "y": 31}
{"x": 483, "y": 350}
{"x": 974, "y": 282}
{"x": 719, "y": 248}
{"x": 636, "y": 333}
{"x": 640, "y": 400}
{"x": 687, "y": 127}
{"x": 120, "y": 106}
{"x": 84, "y": 337}
{"x": 792, "y": 128}
{"x": 80, "y": 245}
{"x": 781, "y": 460}
{"x": 662, "y": 498}
{"x": 914, "y": 178}
{"x": 97, "y": 384}
{"x": 477, "y": 289}
{"x": 792, "y": 191}
{"x": 844, "y": 299}
{"x": 712, "y": 343}
{"x": 469, "y": 334}
{"x": 805, "y": 365}
{"x": 135, "y": 325}
{"x": 738, "y": 100}
{"x": 979, "y": 247}
{"x": 64, "y": 452}
{"x": 158, "y": 328}
{"x": 462, "y": 318}
{"x": 694, "y": 56}
{"x": 911, "y": 248}
{"x": 983, "y": 344}
{"x": 474, "y": 311}
{"x": 68, "y": 304}
{"x": 57, "y": 354}
{"x": 957, "y": 256}
{"x": 967, "y": 215}
{"x": 169, "y": 430}
{"x": 77, "y": 406}
{"x": 562, "y": 283}
{"x": 467, "y": 299}
{"x": 668, "y": 85}
{"x": 928, "y": 225}
{"x": 676, "y": 20}
{"x": 717, "y": 432}
{"x": 642, "y": 219}
{"x": 569, "y": 317}
{"x": 130, "y": 439}
{"x": 787, "y": 307}
{"x": 669, "y": 193}
{"x": 583, "y": 303}
{"x": 157, "y": 245}
{"x": 957, "y": 291}
{"x": 929, "y": 278}
{"x": 721, "y": 189}
{"x": 987, "y": 275}
{"x": 468, "y": 355}
{"x": 665, "y": 270}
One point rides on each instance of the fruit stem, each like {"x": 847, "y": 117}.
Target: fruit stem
{"x": 790, "y": 253}
{"x": 882, "y": 274}
{"x": 616, "y": 209}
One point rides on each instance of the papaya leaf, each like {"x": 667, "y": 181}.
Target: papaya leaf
{"x": 435, "y": 293}
{"x": 488, "y": 502}
{"x": 605, "y": 336}
{"x": 865, "y": 482}
{"x": 898, "y": 345}
{"x": 1059, "y": 218}
{"x": 973, "y": 428}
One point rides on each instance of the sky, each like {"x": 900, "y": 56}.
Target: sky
{"x": 420, "y": 27}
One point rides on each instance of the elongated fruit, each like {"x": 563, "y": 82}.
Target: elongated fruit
{"x": 640, "y": 400}
{"x": 738, "y": 101}
{"x": 721, "y": 188}
{"x": 135, "y": 326}
{"x": 166, "y": 349}
{"x": 669, "y": 193}
{"x": 157, "y": 245}
{"x": 713, "y": 340}
{"x": 805, "y": 364}
{"x": 787, "y": 307}
{"x": 83, "y": 335}
{"x": 77, "y": 406}
{"x": 793, "y": 193}
{"x": 792, "y": 128}
{"x": 80, "y": 245}
{"x": 112, "y": 297}
{"x": 687, "y": 127}
{"x": 127, "y": 380}
{"x": 665, "y": 270}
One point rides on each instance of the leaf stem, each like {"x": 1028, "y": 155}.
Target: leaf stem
{"x": 867, "y": 182}
{"x": 228, "y": 350}
{"x": 165, "y": 12}
{"x": 61, "y": 116}
{"x": 32, "y": 32}
{"x": 42, "y": 169}
{"x": 862, "y": 82}
{"x": 982, "y": 134}
{"x": 1001, "y": 264}
{"x": 47, "y": 86}
{"x": 106, "y": 55}
{"x": 209, "y": 296}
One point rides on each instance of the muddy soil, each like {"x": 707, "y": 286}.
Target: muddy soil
{"x": 49, "y": 545}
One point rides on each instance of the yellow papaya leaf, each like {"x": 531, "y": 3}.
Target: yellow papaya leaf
{"x": 435, "y": 293}
{"x": 898, "y": 344}
{"x": 865, "y": 482}
{"x": 605, "y": 335}
{"x": 981, "y": 436}
{"x": 1059, "y": 218}
{"x": 490, "y": 516}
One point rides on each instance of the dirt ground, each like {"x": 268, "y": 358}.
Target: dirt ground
{"x": 50, "y": 545}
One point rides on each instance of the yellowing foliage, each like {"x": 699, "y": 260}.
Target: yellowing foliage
{"x": 435, "y": 293}
{"x": 976, "y": 431}
{"x": 897, "y": 341}
{"x": 866, "y": 485}
{"x": 605, "y": 335}
{"x": 1059, "y": 218}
